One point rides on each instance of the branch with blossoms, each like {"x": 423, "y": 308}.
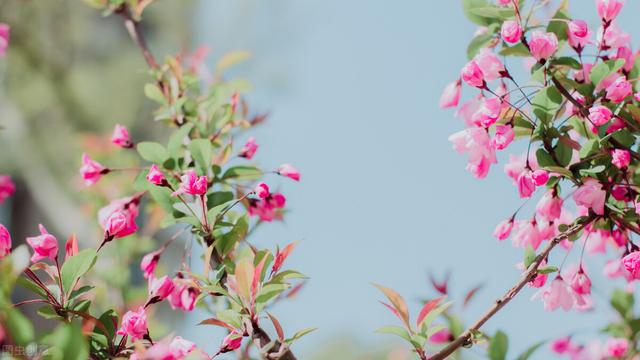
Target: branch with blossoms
{"x": 579, "y": 122}
{"x": 205, "y": 190}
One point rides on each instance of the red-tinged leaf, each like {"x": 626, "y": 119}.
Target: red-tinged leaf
{"x": 471, "y": 294}
{"x": 277, "y": 326}
{"x": 281, "y": 256}
{"x": 71, "y": 246}
{"x": 440, "y": 286}
{"x": 391, "y": 308}
{"x": 294, "y": 291}
{"x": 216, "y": 322}
{"x": 244, "y": 278}
{"x": 398, "y": 303}
{"x": 426, "y": 309}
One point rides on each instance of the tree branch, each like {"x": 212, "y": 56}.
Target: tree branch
{"x": 465, "y": 338}
{"x": 276, "y": 351}
{"x": 134, "y": 32}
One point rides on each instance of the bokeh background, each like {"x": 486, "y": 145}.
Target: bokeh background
{"x": 352, "y": 87}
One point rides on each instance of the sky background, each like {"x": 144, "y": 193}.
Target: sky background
{"x": 353, "y": 88}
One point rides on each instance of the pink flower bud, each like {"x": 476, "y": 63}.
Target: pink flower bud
{"x": 503, "y": 137}
{"x": 231, "y": 342}
{"x": 504, "y": 2}
{"x": 192, "y": 184}
{"x": 631, "y": 262}
{"x": 91, "y": 170}
{"x": 503, "y": 230}
{"x": 617, "y": 347}
{"x": 149, "y": 263}
{"x": 591, "y": 195}
{"x": 5, "y": 241}
{"x": 121, "y": 137}
{"x": 160, "y": 288}
{"x": 619, "y": 90}
{"x": 4, "y": 38}
{"x": 625, "y": 53}
{"x": 7, "y": 187}
{"x": 609, "y": 9}
{"x": 71, "y": 246}
{"x": 249, "y": 149}
{"x": 441, "y": 337}
{"x": 472, "y": 75}
{"x": 578, "y": 34}
{"x": 488, "y": 113}
{"x": 550, "y": 206}
{"x": 116, "y": 223}
{"x": 511, "y": 32}
{"x": 261, "y": 190}
{"x": 288, "y": 171}
{"x": 557, "y": 295}
{"x": 600, "y": 115}
{"x": 44, "y": 246}
{"x": 490, "y": 65}
{"x": 118, "y": 219}
{"x": 451, "y": 95}
{"x": 562, "y": 345}
{"x": 526, "y": 185}
{"x": 134, "y": 324}
{"x": 620, "y": 158}
{"x": 580, "y": 283}
{"x": 155, "y": 176}
{"x": 183, "y": 297}
{"x": 542, "y": 44}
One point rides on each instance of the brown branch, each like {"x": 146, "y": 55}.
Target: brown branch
{"x": 134, "y": 32}
{"x": 465, "y": 338}
{"x": 275, "y": 351}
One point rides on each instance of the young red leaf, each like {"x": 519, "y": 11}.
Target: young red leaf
{"x": 277, "y": 326}
{"x": 216, "y": 322}
{"x": 398, "y": 303}
{"x": 426, "y": 309}
{"x": 281, "y": 256}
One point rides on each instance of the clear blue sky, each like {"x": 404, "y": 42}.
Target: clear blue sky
{"x": 353, "y": 88}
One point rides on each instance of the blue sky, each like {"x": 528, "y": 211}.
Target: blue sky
{"x": 353, "y": 88}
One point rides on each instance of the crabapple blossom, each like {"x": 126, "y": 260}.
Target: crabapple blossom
{"x": 192, "y": 184}
{"x": 542, "y": 44}
{"x": 7, "y": 187}
{"x": 477, "y": 143}
{"x": 503, "y": 137}
{"x": 625, "y": 53}
{"x": 160, "y": 288}
{"x": 121, "y": 137}
{"x": 231, "y": 342}
{"x": 118, "y": 219}
{"x": 549, "y": 206}
{"x": 249, "y": 149}
{"x": 490, "y": 65}
{"x": 591, "y": 195}
{"x": 155, "y": 176}
{"x": 4, "y": 38}
{"x": 134, "y": 324}
{"x": 183, "y": 297}
{"x": 91, "y": 170}
{"x": 558, "y": 294}
{"x": 619, "y": 90}
{"x": 45, "y": 245}
{"x": 288, "y": 171}
{"x": 451, "y": 95}
{"x": 578, "y": 34}
{"x": 527, "y": 233}
{"x": 5, "y": 241}
{"x": 266, "y": 209}
{"x": 511, "y": 31}
{"x": 609, "y": 9}
{"x": 580, "y": 283}
{"x": 149, "y": 263}
{"x": 488, "y": 113}
{"x": 441, "y": 337}
{"x": 503, "y": 230}
{"x": 617, "y": 347}
{"x": 562, "y": 345}
{"x": 472, "y": 74}
{"x": 261, "y": 190}
{"x": 620, "y": 158}
{"x": 631, "y": 263}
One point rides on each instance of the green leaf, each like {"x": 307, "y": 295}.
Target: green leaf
{"x": 498, "y": 346}
{"x": 19, "y": 326}
{"x": 110, "y": 321}
{"x": 228, "y": 241}
{"x": 623, "y": 302}
{"x": 564, "y": 153}
{"x": 152, "y": 151}
{"x": 67, "y": 343}
{"x": 547, "y": 269}
{"x": 602, "y": 70}
{"x": 624, "y": 137}
{"x": 176, "y": 140}
{"x": 242, "y": 171}
{"x": 529, "y": 256}
{"x": 527, "y": 353}
{"x": 478, "y": 43}
{"x": 592, "y": 171}
{"x": 75, "y": 267}
{"x": 493, "y": 12}
{"x": 559, "y": 27}
{"x": 516, "y": 50}
{"x": 299, "y": 334}
{"x": 589, "y": 148}
{"x": 544, "y": 158}
{"x": 202, "y": 153}
{"x": 546, "y": 103}
{"x": 469, "y": 5}
{"x": 153, "y": 92}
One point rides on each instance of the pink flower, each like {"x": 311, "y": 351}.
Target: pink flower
{"x": 617, "y": 347}
{"x": 511, "y": 31}
{"x": 121, "y": 137}
{"x": 580, "y": 283}
{"x": 582, "y": 75}
{"x": 542, "y": 45}
{"x": 503, "y": 137}
{"x": 180, "y": 347}
{"x": 91, "y": 170}
{"x": 288, "y": 171}
{"x": 490, "y": 65}
{"x": 600, "y": 115}
{"x": 504, "y": 2}
{"x": 578, "y": 34}
{"x": 267, "y": 209}
{"x": 620, "y": 158}
{"x": 7, "y": 187}
{"x": 503, "y": 230}
{"x": 538, "y": 281}
{"x": 527, "y": 233}
{"x": 540, "y": 177}
{"x": 134, "y": 324}
{"x": 149, "y": 263}
{"x": 441, "y": 337}
{"x": 261, "y": 190}
{"x": 160, "y": 288}
{"x": 625, "y": 53}
{"x": 472, "y": 74}
{"x": 249, "y": 149}
{"x": 469, "y": 108}
{"x": 609, "y": 9}
{"x": 591, "y": 195}
{"x": 526, "y": 184}
{"x": 488, "y": 112}
{"x": 562, "y": 345}
{"x": 118, "y": 219}
{"x": 477, "y": 143}
{"x": 231, "y": 342}
{"x": 631, "y": 263}
{"x": 5, "y": 241}
{"x": 183, "y": 297}
{"x": 619, "y": 90}
{"x": 155, "y": 176}
{"x": 557, "y": 295}
{"x": 550, "y": 206}
{"x": 614, "y": 37}
{"x": 192, "y": 184}
{"x": 4, "y": 38}
{"x": 44, "y": 246}
{"x": 451, "y": 95}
